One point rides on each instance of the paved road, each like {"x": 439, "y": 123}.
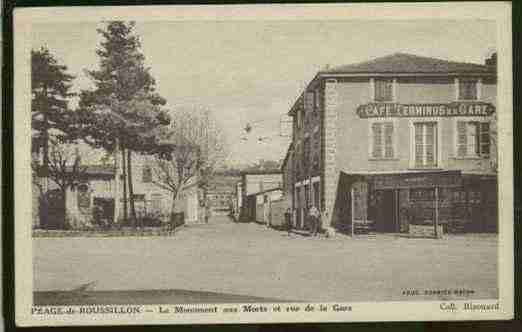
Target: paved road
{"x": 252, "y": 260}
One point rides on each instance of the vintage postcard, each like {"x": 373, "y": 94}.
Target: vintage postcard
{"x": 263, "y": 163}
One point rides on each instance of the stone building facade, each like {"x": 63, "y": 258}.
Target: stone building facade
{"x": 381, "y": 139}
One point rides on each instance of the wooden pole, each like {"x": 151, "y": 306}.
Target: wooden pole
{"x": 436, "y": 221}
{"x": 352, "y": 203}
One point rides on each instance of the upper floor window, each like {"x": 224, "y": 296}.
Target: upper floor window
{"x": 425, "y": 144}
{"x": 382, "y": 134}
{"x": 306, "y": 153}
{"x": 468, "y": 89}
{"x": 316, "y": 102}
{"x": 147, "y": 174}
{"x": 473, "y": 139}
{"x": 383, "y": 90}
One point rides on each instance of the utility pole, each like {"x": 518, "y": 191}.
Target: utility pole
{"x": 436, "y": 219}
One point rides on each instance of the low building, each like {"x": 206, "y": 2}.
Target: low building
{"x": 221, "y": 192}
{"x": 253, "y": 182}
{"x": 394, "y": 141}
{"x": 94, "y": 197}
{"x": 264, "y": 201}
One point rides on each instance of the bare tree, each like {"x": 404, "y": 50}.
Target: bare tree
{"x": 194, "y": 146}
{"x": 63, "y": 168}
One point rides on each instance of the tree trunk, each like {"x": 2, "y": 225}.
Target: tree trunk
{"x": 131, "y": 189}
{"x": 117, "y": 180}
{"x": 124, "y": 168}
{"x": 172, "y": 212}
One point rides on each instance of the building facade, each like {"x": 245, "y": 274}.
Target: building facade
{"x": 395, "y": 141}
{"x": 253, "y": 182}
{"x": 221, "y": 192}
{"x": 100, "y": 194}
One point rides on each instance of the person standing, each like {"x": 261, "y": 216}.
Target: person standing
{"x": 288, "y": 221}
{"x": 314, "y": 219}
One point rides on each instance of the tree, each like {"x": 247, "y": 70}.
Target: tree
{"x": 65, "y": 170}
{"x": 50, "y": 88}
{"x": 123, "y": 113}
{"x": 192, "y": 146}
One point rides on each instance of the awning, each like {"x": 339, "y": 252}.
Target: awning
{"x": 404, "y": 180}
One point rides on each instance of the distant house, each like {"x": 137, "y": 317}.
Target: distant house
{"x": 253, "y": 182}
{"x": 264, "y": 199}
{"x": 221, "y": 192}
{"x": 98, "y": 188}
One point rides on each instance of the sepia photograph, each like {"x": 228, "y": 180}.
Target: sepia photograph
{"x": 199, "y": 165}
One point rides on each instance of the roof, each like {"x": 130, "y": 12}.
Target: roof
{"x": 266, "y": 191}
{"x": 260, "y": 172}
{"x": 288, "y": 151}
{"x": 400, "y": 63}
{"x": 97, "y": 170}
{"x": 409, "y": 63}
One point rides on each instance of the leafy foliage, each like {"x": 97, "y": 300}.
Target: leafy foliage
{"x": 50, "y": 88}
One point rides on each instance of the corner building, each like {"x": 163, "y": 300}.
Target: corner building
{"x": 395, "y": 141}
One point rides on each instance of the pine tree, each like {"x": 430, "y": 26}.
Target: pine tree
{"x": 123, "y": 112}
{"x": 50, "y": 87}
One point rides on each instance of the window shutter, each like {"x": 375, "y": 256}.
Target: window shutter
{"x": 388, "y": 140}
{"x": 377, "y": 144}
{"x": 461, "y": 139}
{"x": 419, "y": 147}
{"x": 484, "y": 138}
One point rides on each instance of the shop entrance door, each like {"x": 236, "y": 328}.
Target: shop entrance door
{"x": 387, "y": 213}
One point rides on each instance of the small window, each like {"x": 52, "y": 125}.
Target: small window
{"x": 382, "y": 140}
{"x": 139, "y": 197}
{"x": 473, "y": 139}
{"x": 84, "y": 197}
{"x": 383, "y": 90}
{"x": 147, "y": 174}
{"x": 468, "y": 89}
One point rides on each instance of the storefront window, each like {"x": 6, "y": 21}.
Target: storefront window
{"x": 473, "y": 139}
{"x": 425, "y": 144}
{"x": 422, "y": 194}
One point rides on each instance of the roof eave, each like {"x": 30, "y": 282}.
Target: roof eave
{"x": 399, "y": 74}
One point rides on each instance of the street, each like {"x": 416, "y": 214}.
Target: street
{"x": 251, "y": 260}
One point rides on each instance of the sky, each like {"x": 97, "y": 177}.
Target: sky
{"x": 253, "y": 71}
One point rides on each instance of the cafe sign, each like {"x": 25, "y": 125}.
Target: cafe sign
{"x": 395, "y": 110}
{"x": 418, "y": 180}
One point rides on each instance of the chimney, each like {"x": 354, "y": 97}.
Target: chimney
{"x": 492, "y": 60}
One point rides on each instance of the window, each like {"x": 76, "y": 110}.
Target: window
{"x": 422, "y": 194}
{"x": 139, "y": 197}
{"x": 315, "y": 165}
{"x": 425, "y": 138}
{"x": 306, "y": 153}
{"x": 468, "y": 89}
{"x": 383, "y": 90}
{"x": 316, "y": 102}
{"x": 316, "y": 194}
{"x": 84, "y": 196}
{"x": 473, "y": 139}
{"x": 382, "y": 140}
{"x": 147, "y": 174}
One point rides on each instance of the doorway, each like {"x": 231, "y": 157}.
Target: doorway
{"x": 387, "y": 212}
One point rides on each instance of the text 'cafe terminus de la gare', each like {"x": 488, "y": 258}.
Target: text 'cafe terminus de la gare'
{"x": 397, "y": 141}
